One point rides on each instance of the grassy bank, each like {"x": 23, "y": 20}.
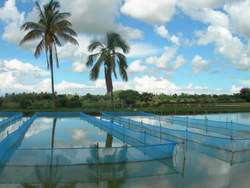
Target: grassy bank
{"x": 166, "y": 109}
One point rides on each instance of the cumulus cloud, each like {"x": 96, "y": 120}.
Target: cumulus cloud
{"x": 12, "y": 19}
{"x": 203, "y": 11}
{"x": 239, "y": 16}
{"x": 168, "y": 61}
{"x": 199, "y": 64}
{"x": 154, "y": 12}
{"x": 13, "y": 71}
{"x": 227, "y": 45}
{"x": 163, "y": 32}
{"x": 16, "y": 76}
{"x": 140, "y": 49}
{"x": 136, "y": 66}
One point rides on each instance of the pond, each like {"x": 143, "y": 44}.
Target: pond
{"x": 192, "y": 165}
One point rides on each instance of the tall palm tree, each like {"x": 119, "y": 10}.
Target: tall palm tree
{"x": 51, "y": 30}
{"x": 109, "y": 54}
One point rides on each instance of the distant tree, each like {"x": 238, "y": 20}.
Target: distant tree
{"x": 51, "y": 29}
{"x": 129, "y": 97}
{"x": 25, "y": 104}
{"x": 108, "y": 55}
{"x": 245, "y": 94}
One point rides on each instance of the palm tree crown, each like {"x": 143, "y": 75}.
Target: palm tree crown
{"x": 108, "y": 54}
{"x": 51, "y": 30}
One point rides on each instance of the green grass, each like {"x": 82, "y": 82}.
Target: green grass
{"x": 166, "y": 109}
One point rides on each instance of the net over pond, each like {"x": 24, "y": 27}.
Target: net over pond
{"x": 75, "y": 139}
{"x": 232, "y": 137}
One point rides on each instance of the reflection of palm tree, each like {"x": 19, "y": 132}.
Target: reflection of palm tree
{"x": 53, "y": 140}
{"x": 48, "y": 177}
{"x": 108, "y": 56}
{"x": 52, "y": 28}
{"x": 109, "y": 141}
{"x": 117, "y": 166}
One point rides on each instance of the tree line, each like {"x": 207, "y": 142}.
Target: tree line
{"x": 122, "y": 99}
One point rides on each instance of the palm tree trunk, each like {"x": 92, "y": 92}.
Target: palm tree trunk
{"x": 52, "y": 75}
{"x": 109, "y": 85}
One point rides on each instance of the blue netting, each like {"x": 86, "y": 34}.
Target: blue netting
{"x": 10, "y": 143}
{"x": 12, "y": 118}
{"x": 142, "y": 146}
{"x": 95, "y": 173}
{"x": 227, "y": 142}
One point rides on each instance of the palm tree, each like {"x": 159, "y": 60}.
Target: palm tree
{"x": 108, "y": 54}
{"x": 51, "y": 30}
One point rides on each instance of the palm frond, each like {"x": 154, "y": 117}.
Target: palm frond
{"x": 94, "y": 73}
{"x": 91, "y": 59}
{"x": 63, "y": 23}
{"x": 31, "y": 26}
{"x": 68, "y": 31}
{"x": 40, "y": 10}
{"x": 67, "y": 38}
{"x": 114, "y": 40}
{"x": 32, "y": 35}
{"x": 94, "y": 45}
{"x": 122, "y": 66}
{"x": 39, "y": 48}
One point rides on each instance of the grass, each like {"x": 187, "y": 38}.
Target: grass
{"x": 166, "y": 109}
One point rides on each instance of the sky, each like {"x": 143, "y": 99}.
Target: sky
{"x": 176, "y": 46}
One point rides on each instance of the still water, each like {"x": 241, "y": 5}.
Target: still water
{"x": 192, "y": 165}
{"x": 68, "y": 133}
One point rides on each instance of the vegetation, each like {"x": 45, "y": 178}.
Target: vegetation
{"x": 109, "y": 56}
{"x": 129, "y": 100}
{"x": 51, "y": 30}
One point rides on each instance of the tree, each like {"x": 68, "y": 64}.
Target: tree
{"x": 108, "y": 55}
{"x": 129, "y": 97}
{"x": 51, "y": 30}
{"x": 245, "y": 94}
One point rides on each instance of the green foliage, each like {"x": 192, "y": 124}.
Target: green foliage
{"x": 245, "y": 94}
{"x": 129, "y": 97}
{"x": 127, "y": 100}
{"x": 25, "y": 103}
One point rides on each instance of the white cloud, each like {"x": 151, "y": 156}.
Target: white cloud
{"x": 179, "y": 61}
{"x": 199, "y": 64}
{"x": 203, "y": 11}
{"x": 12, "y": 19}
{"x": 12, "y": 73}
{"x": 190, "y": 4}
{"x": 239, "y": 16}
{"x": 235, "y": 89}
{"x": 154, "y": 12}
{"x": 227, "y": 45}
{"x": 163, "y": 32}
{"x": 79, "y": 67}
{"x": 18, "y": 76}
{"x": 97, "y": 18}
{"x": 140, "y": 49}
{"x": 136, "y": 66}
{"x": 168, "y": 61}
{"x": 129, "y": 33}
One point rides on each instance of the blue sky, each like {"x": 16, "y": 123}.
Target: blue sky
{"x": 177, "y": 46}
